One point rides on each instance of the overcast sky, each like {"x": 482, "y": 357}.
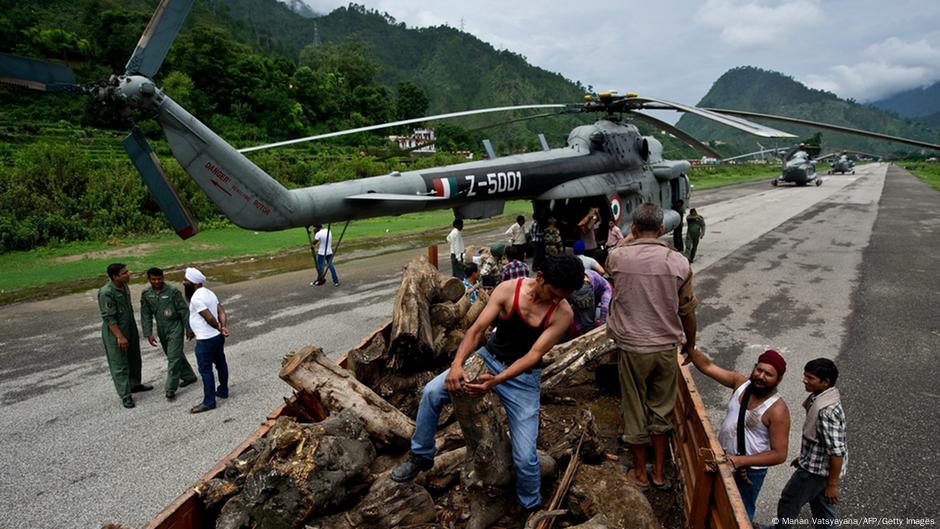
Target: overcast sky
{"x": 676, "y": 49}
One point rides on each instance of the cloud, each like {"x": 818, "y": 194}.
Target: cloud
{"x": 747, "y": 24}
{"x": 890, "y": 66}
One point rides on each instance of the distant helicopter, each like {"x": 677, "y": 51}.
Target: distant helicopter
{"x": 608, "y": 165}
{"x": 799, "y": 168}
{"x": 843, "y": 165}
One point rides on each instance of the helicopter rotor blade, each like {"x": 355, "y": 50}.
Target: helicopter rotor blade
{"x": 828, "y": 126}
{"x": 157, "y": 38}
{"x": 757, "y": 129}
{"x": 484, "y": 127}
{"x": 148, "y": 165}
{"x": 398, "y": 123}
{"x": 37, "y": 75}
{"x": 684, "y": 136}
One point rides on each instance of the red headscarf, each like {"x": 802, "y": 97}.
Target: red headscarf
{"x": 774, "y": 359}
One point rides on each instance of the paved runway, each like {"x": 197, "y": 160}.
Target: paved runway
{"x": 843, "y": 270}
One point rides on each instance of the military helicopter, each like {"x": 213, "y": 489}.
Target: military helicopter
{"x": 608, "y": 164}
{"x": 799, "y": 168}
{"x": 843, "y": 165}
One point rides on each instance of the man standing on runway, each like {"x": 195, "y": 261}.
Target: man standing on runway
{"x": 119, "y": 334}
{"x": 207, "y": 319}
{"x": 162, "y": 302}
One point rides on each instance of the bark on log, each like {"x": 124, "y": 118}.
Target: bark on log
{"x": 446, "y": 469}
{"x": 388, "y": 504}
{"x": 605, "y": 489}
{"x": 597, "y": 522}
{"x": 421, "y": 285}
{"x": 474, "y": 312}
{"x": 450, "y": 314}
{"x": 487, "y": 475}
{"x": 310, "y": 370}
{"x": 592, "y": 446}
{"x": 215, "y": 492}
{"x": 368, "y": 362}
{"x": 572, "y": 357}
{"x": 300, "y": 470}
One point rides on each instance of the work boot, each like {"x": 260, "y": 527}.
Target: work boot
{"x": 127, "y": 402}
{"x": 408, "y": 470}
{"x": 199, "y": 408}
{"x": 170, "y": 394}
{"x": 141, "y": 387}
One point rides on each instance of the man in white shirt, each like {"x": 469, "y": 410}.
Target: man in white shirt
{"x": 455, "y": 238}
{"x": 207, "y": 320}
{"x": 516, "y": 234}
{"x": 324, "y": 241}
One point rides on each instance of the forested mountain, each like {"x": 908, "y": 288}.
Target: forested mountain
{"x": 914, "y": 103}
{"x": 754, "y": 89}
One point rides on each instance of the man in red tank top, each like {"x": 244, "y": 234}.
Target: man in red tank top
{"x": 533, "y": 315}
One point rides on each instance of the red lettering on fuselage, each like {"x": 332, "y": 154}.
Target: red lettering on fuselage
{"x": 215, "y": 171}
{"x": 261, "y": 207}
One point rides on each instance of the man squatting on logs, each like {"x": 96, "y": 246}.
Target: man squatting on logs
{"x": 533, "y": 315}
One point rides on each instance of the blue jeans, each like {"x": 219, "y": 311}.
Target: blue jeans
{"x": 804, "y": 487}
{"x": 208, "y": 352}
{"x": 749, "y": 492}
{"x": 329, "y": 262}
{"x": 520, "y": 397}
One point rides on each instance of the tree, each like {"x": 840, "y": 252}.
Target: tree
{"x": 412, "y": 101}
{"x": 352, "y": 58}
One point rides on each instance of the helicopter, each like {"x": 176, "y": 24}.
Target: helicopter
{"x": 607, "y": 164}
{"x": 799, "y": 167}
{"x": 842, "y": 165}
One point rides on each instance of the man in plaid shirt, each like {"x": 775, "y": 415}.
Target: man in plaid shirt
{"x": 515, "y": 268}
{"x": 823, "y": 452}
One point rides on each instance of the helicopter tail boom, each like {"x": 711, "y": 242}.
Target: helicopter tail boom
{"x": 239, "y": 188}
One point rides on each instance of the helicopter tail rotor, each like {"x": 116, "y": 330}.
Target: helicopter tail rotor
{"x": 148, "y": 165}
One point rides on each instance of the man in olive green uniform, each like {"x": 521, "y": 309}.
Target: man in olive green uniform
{"x": 119, "y": 334}
{"x": 165, "y": 304}
{"x": 696, "y": 231}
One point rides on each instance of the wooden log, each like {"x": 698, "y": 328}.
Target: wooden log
{"x": 215, "y": 492}
{"x": 310, "y": 370}
{"x": 583, "y": 431}
{"x": 487, "y": 474}
{"x": 450, "y": 314}
{"x": 368, "y": 362}
{"x": 605, "y": 489}
{"x": 388, "y": 504}
{"x": 572, "y": 357}
{"x": 302, "y": 469}
{"x": 411, "y": 336}
{"x": 474, "y": 312}
{"x": 446, "y": 470}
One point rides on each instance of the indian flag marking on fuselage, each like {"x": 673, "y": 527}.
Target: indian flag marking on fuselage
{"x": 616, "y": 208}
{"x": 445, "y": 187}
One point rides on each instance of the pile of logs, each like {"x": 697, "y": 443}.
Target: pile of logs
{"x": 334, "y": 474}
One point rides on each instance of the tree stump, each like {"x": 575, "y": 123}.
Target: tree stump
{"x": 300, "y": 470}
{"x": 488, "y": 472}
{"x": 311, "y": 371}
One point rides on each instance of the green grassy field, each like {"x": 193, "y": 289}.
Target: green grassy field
{"x": 929, "y": 172}
{"x": 709, "y": 176}
{"x": 48, "y": 271}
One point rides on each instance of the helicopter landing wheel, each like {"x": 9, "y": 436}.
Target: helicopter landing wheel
{"x": 773, "y": 182}
{"x": 853, "y": 171}
{"x": 818, "y": 182}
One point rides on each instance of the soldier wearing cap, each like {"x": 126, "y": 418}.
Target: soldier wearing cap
{"x": 119, "y": 334}
{"x": 164, "y": 303}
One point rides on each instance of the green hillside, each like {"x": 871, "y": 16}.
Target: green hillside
{"x": 754, "y": 89}
{"x": 913, "y": 103}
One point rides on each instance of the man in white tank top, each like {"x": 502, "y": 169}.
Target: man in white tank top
{"x": 766, "y": 421}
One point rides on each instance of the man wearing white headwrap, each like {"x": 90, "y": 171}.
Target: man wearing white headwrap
{"x": 207, "y": 319}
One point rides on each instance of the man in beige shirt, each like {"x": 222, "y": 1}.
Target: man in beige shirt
{"x": 652, "y": 310}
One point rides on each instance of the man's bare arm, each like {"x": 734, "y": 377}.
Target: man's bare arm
{"x": 721, "y": 375}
